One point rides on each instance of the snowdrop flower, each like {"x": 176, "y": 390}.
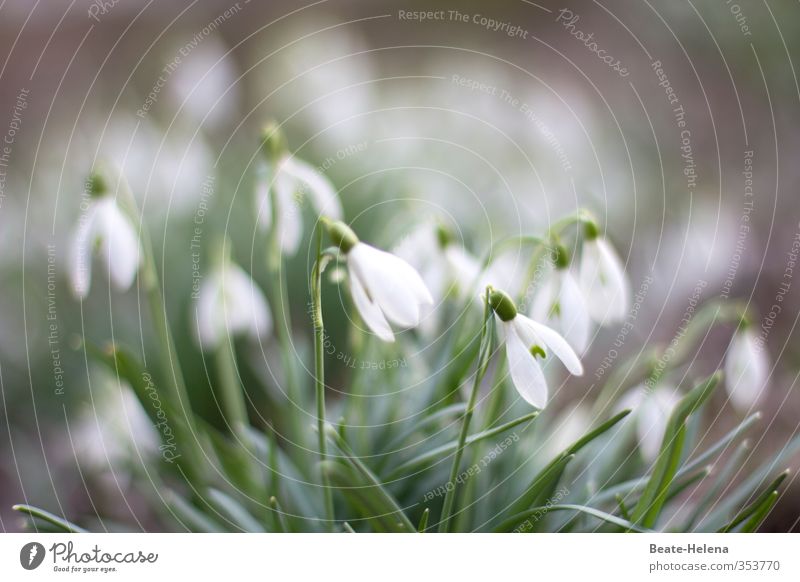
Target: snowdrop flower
{"x": 230, "y": 303}
{"x": 603, "y": 279}
{"x": 526, "y": 342}
{"x": 282, "y": 192}
{"x": 746, "y": 369}
{"x": 652, "y": 408}
{"x": 385, "y": 287}
{"x": 443, "y": 264}
{"x": 560, "y": 304}
{"x": 105, "y": 229}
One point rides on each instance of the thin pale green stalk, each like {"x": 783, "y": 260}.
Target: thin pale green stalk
{"x": 483, "y": 363}
{"x": 319, "y": 372}
{"x": 193, "y": 465}
{"x": 233, "y": 403}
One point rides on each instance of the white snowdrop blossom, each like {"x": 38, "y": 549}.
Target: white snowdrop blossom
{"x": 603, "y": 280}
{"x": 281, "y": 194}
{"x": 526, "y": 342}
{"x": 746, "y": 370}
{"x": 106, "y": 230}
{"x": 442, "y": 263}
{"x": 385, "y": 288}
{"x": 651, "y": 410}
{"x": 560, "y": 304}
{"x": 230, "y": 304}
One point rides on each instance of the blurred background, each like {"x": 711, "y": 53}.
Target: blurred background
{"x": 674, "y": 122}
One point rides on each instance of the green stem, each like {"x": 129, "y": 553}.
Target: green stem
{"x": 483, "y": 362}
{"x": 233, "y": 403}
{"x": 186, "y": 429}
{"x": 319, "y": 371}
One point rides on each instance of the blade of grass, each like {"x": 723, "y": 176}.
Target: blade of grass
{"x": 654, "y": 494}
{"x": 380, "y": 491}
{"x": 512, "y": 522}
{"x": 452, "y": 445}
{"x": 48, "y": 517}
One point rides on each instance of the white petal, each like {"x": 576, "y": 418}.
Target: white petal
{"x": 391, "y": 283}
{"x": 604, "y": 282}
{"x": 80, "y": 255}
{"x": 245, "y": 307}
{"x": 546, "y": 297}
{"x": 653, "y": 415}
{"x": 575, "y": 321}
{"x": 746, "y": 371}
{"x": 552, "y": 340}
{"x": 209, "y": 325}
{"x": 318, "y": 187}
{"x": 119, "y": 244}
{"x": 464, "y": 267}
{"x": 263, "y": 204}
{"x": 289, "y": 219}
{"x": 526, "y": 373}
{"x": 369, "y": 311}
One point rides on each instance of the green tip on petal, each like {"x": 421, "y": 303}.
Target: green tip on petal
{"x": 273, "y": 141}
{"x": 538, "y": 351}
{"x": 341, "y": 235}
{"x": 502, "y": 305}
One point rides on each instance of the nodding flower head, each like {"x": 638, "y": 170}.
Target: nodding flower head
{"x": 385, "y": 288}
{"x": 652, "y": 407}
{"x": 746, "y": 369}
{"x": 230, "y": 304}
{"x": 603, "y": 280}
{"x": 526, "y": 343}
{"x": 560, "y": 303}
{"x": 104, "y": 229}
{"x": 287, "y": 184}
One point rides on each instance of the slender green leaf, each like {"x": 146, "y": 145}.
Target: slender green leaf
{"x": 60, "y": 523}
{"x": 377, "y": 487}
{"x": 655, "y": 492}
{"x": 452, "y": 445}
{"x": 523, "y": 519}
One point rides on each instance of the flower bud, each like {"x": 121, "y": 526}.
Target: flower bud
{"x": 341, "y": 235}
{"x": 502, "y": 305}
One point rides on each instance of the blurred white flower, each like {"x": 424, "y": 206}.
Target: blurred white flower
{"x": 560, "y": 304}
{"x": 230, "y": 304}
{"x": 293, "y": 182}
{"x": 104, "y": 228}
{"x": 651, "y": 411}
{"x": 384, "y": 287}
{"x": 205, "y": 85}
{"x": 442, "y": 263}
{"x": 526, "y": 342}
{"x": 603, "y": 281}
{"x": 746, "y": 370}
{"x": 115, "y": 429}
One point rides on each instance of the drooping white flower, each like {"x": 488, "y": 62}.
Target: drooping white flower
{"x": 746, "y": 370}
{"x": 560, "y": 304}
{"x": 651, "y": 410}
{"x": 603, "y": 281}
{"x": 230, "y": 304}
{"x": 106, "y": 230}
{"x": 385, "y": 288}
{"x": 526, "y": 342}
{"x": 444, "y": 265}
{"x": 281, "y": 194}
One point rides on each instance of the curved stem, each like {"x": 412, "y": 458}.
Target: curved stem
{"x": 483, "y": 362}
{"x": 319, "y": 371}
